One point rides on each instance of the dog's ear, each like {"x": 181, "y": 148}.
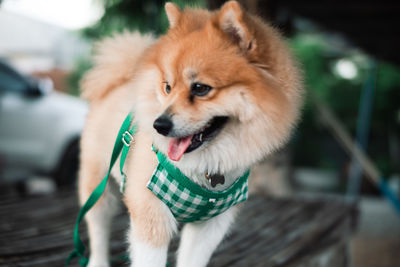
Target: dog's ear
{"x": 232, "y": 21}
{"x": 173, "y": 13}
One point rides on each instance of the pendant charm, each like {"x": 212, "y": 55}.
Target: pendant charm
{"x": 215, "y": 179}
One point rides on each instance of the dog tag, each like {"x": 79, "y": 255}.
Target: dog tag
{"x": 215, "y": 179}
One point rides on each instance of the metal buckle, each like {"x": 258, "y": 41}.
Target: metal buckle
{"x": 127, "y": 142}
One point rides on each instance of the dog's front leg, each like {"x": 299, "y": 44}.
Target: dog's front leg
{"x": 152, "y": 227}
{"x": 149, "y": 237}
{"x": 145, "y": 253}
{"x": 199, "y": 240}
{"x": 98, "y": 220}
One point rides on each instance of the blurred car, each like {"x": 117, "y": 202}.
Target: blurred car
{"x": 39, "y": 129}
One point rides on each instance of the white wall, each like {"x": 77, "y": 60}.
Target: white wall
{"x": 33, "y": 45}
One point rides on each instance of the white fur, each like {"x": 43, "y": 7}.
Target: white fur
{"x": 99, "y": 226}
{"x": 199, "y": 240}
{"x": 143, "y": 254}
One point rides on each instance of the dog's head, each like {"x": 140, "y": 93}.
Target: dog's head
{"x": 221, "y": 89}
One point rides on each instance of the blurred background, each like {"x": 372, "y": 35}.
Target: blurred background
{"x": 347, "y": 143}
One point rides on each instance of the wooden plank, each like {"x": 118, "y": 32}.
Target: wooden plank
{"x": 37, "y": 231}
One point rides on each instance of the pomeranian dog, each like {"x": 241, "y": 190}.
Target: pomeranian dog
{"x": 217, "y": 93}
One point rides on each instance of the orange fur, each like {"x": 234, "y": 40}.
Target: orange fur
{"x": 144, "y": 208}
{"x": 255, "y": 82}
{"x": 115, "y": 64}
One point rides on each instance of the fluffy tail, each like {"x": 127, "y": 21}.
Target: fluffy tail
{"x": 115, "y": 62}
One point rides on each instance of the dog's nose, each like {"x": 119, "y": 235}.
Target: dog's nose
{"x": 163, "y": 125}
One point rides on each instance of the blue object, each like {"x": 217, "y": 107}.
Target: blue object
{"x": 363, "y": 126}
{"x": 389, "y": 194}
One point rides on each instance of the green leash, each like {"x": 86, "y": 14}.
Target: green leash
{"x": 122, "y": 143}
{"x": 235, "y": 194}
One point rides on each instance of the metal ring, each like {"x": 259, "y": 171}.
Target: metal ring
{"x": 127, "y": 143}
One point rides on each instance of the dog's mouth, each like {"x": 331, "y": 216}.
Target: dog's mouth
{"x": 178, "y": 146}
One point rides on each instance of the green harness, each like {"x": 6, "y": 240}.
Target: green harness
{"x": 187, "y": 200}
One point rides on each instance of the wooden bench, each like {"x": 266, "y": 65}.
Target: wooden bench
{"x": 37, "y": 231}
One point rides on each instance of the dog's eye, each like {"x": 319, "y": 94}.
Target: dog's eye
{"x": 200, "y": 89}
{"x": 167, "y": 88}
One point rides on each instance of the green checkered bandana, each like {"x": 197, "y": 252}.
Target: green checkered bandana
{"x": 187, "y": 200}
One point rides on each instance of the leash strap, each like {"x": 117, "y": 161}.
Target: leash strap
{"x": 127, "y": 139}
{"x": 121, "y": 146}
{"x": 124, "y": 138}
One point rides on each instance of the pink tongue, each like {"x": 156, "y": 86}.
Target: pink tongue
{"x": 178, "y": 146}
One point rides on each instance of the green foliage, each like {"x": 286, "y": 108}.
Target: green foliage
{"x": 314, "y": 144}
{"x": 144, "y": 16}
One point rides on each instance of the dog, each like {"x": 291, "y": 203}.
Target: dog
{"x": 216, "y": 94}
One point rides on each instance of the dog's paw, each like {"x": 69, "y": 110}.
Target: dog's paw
{"x": 97, "y": 263}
